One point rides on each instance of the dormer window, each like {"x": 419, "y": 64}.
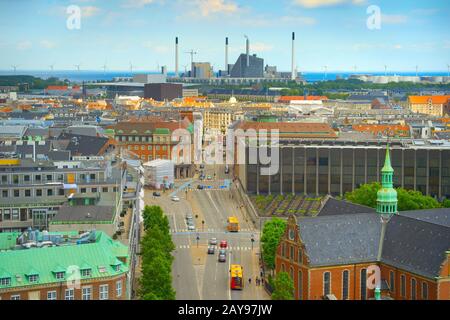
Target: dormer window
{"x": 86, "y": 272}
{"x": 60, "y": 275}
{"x": 5, "y": 282}
{"x": 33, "y": 278}
{"x": 116, "y": 268}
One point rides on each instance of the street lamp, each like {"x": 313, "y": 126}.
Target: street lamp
{"x": 253, "y": 240}
{"x": 203, "y": 225}
{"x": 198, "y": 238}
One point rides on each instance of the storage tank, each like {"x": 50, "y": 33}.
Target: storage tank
{"x": 159, "y": 173}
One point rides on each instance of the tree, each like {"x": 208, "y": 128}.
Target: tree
{"x": 271, "y": 235}
{"x": 283, "y": 287}
{"x": 154, "y": 216}
{"x": 446, "y": 203}
{"x": 407, "y": 199}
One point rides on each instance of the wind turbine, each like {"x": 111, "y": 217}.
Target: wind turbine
{"x": 385, "y": 70}
{"x": 448, "y": 70}
{"x": 52, "y": 66}
{"x": 325, "y": 68}
{"x": 131, "y": 68}
{"x": 417, "y": 68}
{"x": 104, "y": 67}
{"x": 14, "y": 68}
{"x": 77, "y": 66}
{"x": 355, "y": 68}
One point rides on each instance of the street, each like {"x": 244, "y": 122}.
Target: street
{"x": 196, "y": 274}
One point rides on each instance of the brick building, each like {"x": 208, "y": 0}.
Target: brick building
{"x": 44, "y": 271}
{"x": 331, "y": 254}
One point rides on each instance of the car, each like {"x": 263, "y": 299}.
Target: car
{"x": 209, "y": 177}
{"x": 200, "y": 187}
{"x": 222, "y": 251}
{"x": 189, "y": 217}
{"x": 202, "y": 177}
{"x": 222, "y": 258}
{"x": 211, "y": 250}
{"x": 202, "y": 166}
{"x": 213, "y": 241}
{"x": 156, "y": 194}
{"x": 191, "y": 227}
{"x": 227, "y": 170}
{"x": 223, "y": 244}
{"x": 175, "y": 198}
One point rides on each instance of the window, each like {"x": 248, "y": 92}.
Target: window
{"x": 142, "y": 147}
{"x": 291, "y": 253}
{"x": 15, "y": 179}
{"x": 283, "y": 249}
{"x": 300, "y": 284}
{"x": 103, "y": 292}
{"x": 363, "y": 284}
{"x": 392, "y": 281}
{"x": 59, "y": 275}
{"x": 27, "y": 193}
{"x": 282, "y": 267}
{"x": 164, "y": 148}
{"x": 15, "y": 297}
{"x": 94, "y": 190}
{"x": 157, "y": 148}
{"x": 150, "y": 148}
{"x": 291, "y": 273}
{"x": 69, "y": 294}
{"x": 5, "y": 193}
{"x": 403, "y": 286}
{"x": 83, "y": 190}
{"x": 345, "y": 277}
{"x": 51, "y": 295}
{"x": 326, "y": 283}
{"x": 33, "y": 278}
{"x": 16, "y": 193}
{"x": 26, "y": 178}
{"x": 86, "y": 293}
{"x": 61, "y": 192}
{"x": 4, "y": 179}
{"x": 92, "y": 176}
{"x": 105, "y": 189}
{"x": 300, "y": 257}
{"x": 38, "y": 192}
{"x": 117, "y": 267}
{"x": 119, "y": 288}
{"x": 49, "y": 177}
{"x": 136, "y": 147}
{"x": 86, "y": 272}
{"x": 38, "y": 178}
{"x": 413, "y": 289}
{"x": 5, "y": 282}
{"x": 49, "y": 192}
{"x": 15, "y": 214}
{"x": 424, "y": 291}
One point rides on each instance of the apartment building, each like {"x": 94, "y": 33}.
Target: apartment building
{"x": 438, "y": 106}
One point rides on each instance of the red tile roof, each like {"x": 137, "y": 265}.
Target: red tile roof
{"x": 292, "y": 129}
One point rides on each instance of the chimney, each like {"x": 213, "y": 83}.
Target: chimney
{"x": 176, "y": 56}
{"x": 293, "y": 75}
{"x": 226, "y": 54}
{"x": 247, "y": 50}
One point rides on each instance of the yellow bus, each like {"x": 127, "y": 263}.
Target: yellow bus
{"x": 237, "y": 277}
{"x": 233, "y": 224}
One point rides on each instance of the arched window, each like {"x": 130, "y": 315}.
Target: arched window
{"x": 413, "y": 289}
{"x": 424, "y": 290}
{"x": 363, "y": 284}
{"x": 300, "y": 256}
{"x": 300, "y": 285}
{"x": 345, "y": 279}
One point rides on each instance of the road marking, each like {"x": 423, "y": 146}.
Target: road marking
{"x": 174, "y": 223}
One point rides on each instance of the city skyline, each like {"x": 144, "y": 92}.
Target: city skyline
{"x": 142, "y": 33}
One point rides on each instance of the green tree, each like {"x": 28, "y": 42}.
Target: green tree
{"x": 407, "y": 199}
{"x": 283, "y": 287}
{"x": 446, "y": 203}
{"x": 270, "y": 238}
{"x": 154, "y": 216}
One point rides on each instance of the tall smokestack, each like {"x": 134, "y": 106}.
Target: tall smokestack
{"x": 176, "y": 56}
{"x": 293, "y": 75}
{"x": 226, "y": 54}
{"x": 247, "y": 50}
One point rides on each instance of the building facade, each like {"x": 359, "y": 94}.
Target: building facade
{"x": 438, "y": 106}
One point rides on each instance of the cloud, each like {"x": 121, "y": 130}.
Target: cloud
{"x": 89, "y": 11}
{"x": 161, "y": 49}
{"x": 24, "y": 45}
{"x": 47, "y": 44}
{"x": 137, "y": 3}
{"x": 393, "y": 18}
{"x": 326, "y": 3}
{"x": 208, "y": 7}
{"x": 298, "y": 20}
{"x": 260, "y": 47}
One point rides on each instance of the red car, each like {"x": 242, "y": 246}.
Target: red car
{"x": 223, "y": 244}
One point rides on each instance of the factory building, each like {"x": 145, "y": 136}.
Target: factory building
{"x": 248, "y": 66}
{"x": 163, "y": 91}
{"x": 202, "y": 70}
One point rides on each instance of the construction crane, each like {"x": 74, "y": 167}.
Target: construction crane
{"x": 192, "y": 52}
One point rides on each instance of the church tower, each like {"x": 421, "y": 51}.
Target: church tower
{"x": 387, "y": 195}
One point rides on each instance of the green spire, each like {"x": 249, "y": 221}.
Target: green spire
{"x": 387, "y": 195}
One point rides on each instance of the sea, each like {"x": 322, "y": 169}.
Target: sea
{"x": 96, "y": 75}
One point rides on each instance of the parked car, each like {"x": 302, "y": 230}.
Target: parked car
{"x": 202, "y": 166}
{"x": 227, "y": 170}
{"x": 189, "y": 217}
{"x": 209, "y": 177}
{"x": 156, "y": 194}
{"x": 211, "y": 250}
{"x": 223, "y": 244}
{"x": 213, "y": 241}
{"x": 175, "y": 198}
{"x": 222, "y": 251}
{"x": 222, "y": 258}
{"x": 200, "y": 187}
{"x": 191, "y": 227}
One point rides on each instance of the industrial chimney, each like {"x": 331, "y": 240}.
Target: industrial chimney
{"x": 226, "y": 54}
{"x": 293, "y": 72}
{"x": 176, "y": 56}
{"x": 247, "y": 50}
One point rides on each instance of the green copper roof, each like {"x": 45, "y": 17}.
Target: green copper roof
{"x": 45, "y": 261}
{"x": 387, "y": 162}
{"x": 8, "y": 240}
{"x": 162, "y": 131}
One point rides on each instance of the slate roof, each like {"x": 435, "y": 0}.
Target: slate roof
{"x": 339, "y": 207}
{"x": 81, "y": 145}
{"x": 439, "y": 216}
{"x": 415, "y": 245}
{"x": 343, "y": 239}
{"x": 79, "y": 214}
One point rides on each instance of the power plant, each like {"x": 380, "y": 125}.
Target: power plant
{"x": 248, "y": 67}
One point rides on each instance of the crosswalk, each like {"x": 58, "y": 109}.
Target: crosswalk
{"x": 209, "y": 230}
{"x": 208, "y": 189}
{"x": 230, "y": 248}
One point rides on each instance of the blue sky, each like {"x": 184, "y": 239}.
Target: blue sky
{"x": 331, "y": 33}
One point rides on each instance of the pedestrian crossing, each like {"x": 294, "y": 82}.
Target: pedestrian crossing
{"x": 208, "y": 189}
{"x": 230, "y": 248}
{"x": 209, "y": 230}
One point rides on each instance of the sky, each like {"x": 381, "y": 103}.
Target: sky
{"x": 332, "y": 33}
